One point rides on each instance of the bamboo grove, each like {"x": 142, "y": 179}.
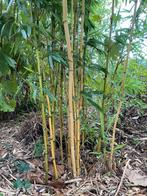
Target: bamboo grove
{"x": 50, "y": 47}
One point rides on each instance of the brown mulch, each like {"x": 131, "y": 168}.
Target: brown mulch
{"x": 17, "y": 141}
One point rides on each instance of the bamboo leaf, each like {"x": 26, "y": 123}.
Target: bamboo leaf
{"x": 57, "y": 58}
{"x": 95, "y": 105}
{"x": 6, "y": 60}
{"x": 7, "y": 28}
{"x": 50, "y": 62}
{"x": 91, "y": 93}
{"x": 96, "y": 44}
{"x": 98, "y": 68}
{"x": 88, "y": 96}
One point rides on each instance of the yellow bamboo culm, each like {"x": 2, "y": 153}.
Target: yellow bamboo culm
{"x": 45, "y": 130}
{"x": 52, "y": 107}
{"x": 52, "y": 136}
{"x": 74, "y": 19}
{"x": 80, "y": 88}
{"x": 61, "y": 112}
{"x": 78, "y": 143}
{"x": 113, "y": 135}
{"x": 53, "y": 122}
{"x": 70, "y": 88}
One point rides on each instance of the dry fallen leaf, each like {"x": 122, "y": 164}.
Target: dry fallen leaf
{"x": 60, "y": 169}
{"x": 136, "y": 178}
{"x": 58, "y": 184}
{"x": 34, "y": 163}
{"x": 37, "y": 177}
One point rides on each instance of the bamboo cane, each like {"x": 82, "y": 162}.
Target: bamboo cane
{"x": 52, "y": 138}
{"x": 80, "y": 101}
{"x": 45, "y": 131}
{"x": 61, "y": 111}
{"x": 70, "y": 88}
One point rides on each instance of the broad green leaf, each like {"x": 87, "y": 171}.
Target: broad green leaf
{"x": 58, "y": 58}
{"x": 6, "y": 60}
{"x": 9, "y": 86}
{"x": 6, "y": 105}
{"x": 10, "y": 61}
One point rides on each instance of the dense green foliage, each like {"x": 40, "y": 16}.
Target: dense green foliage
{"x": 17, "y": 58}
